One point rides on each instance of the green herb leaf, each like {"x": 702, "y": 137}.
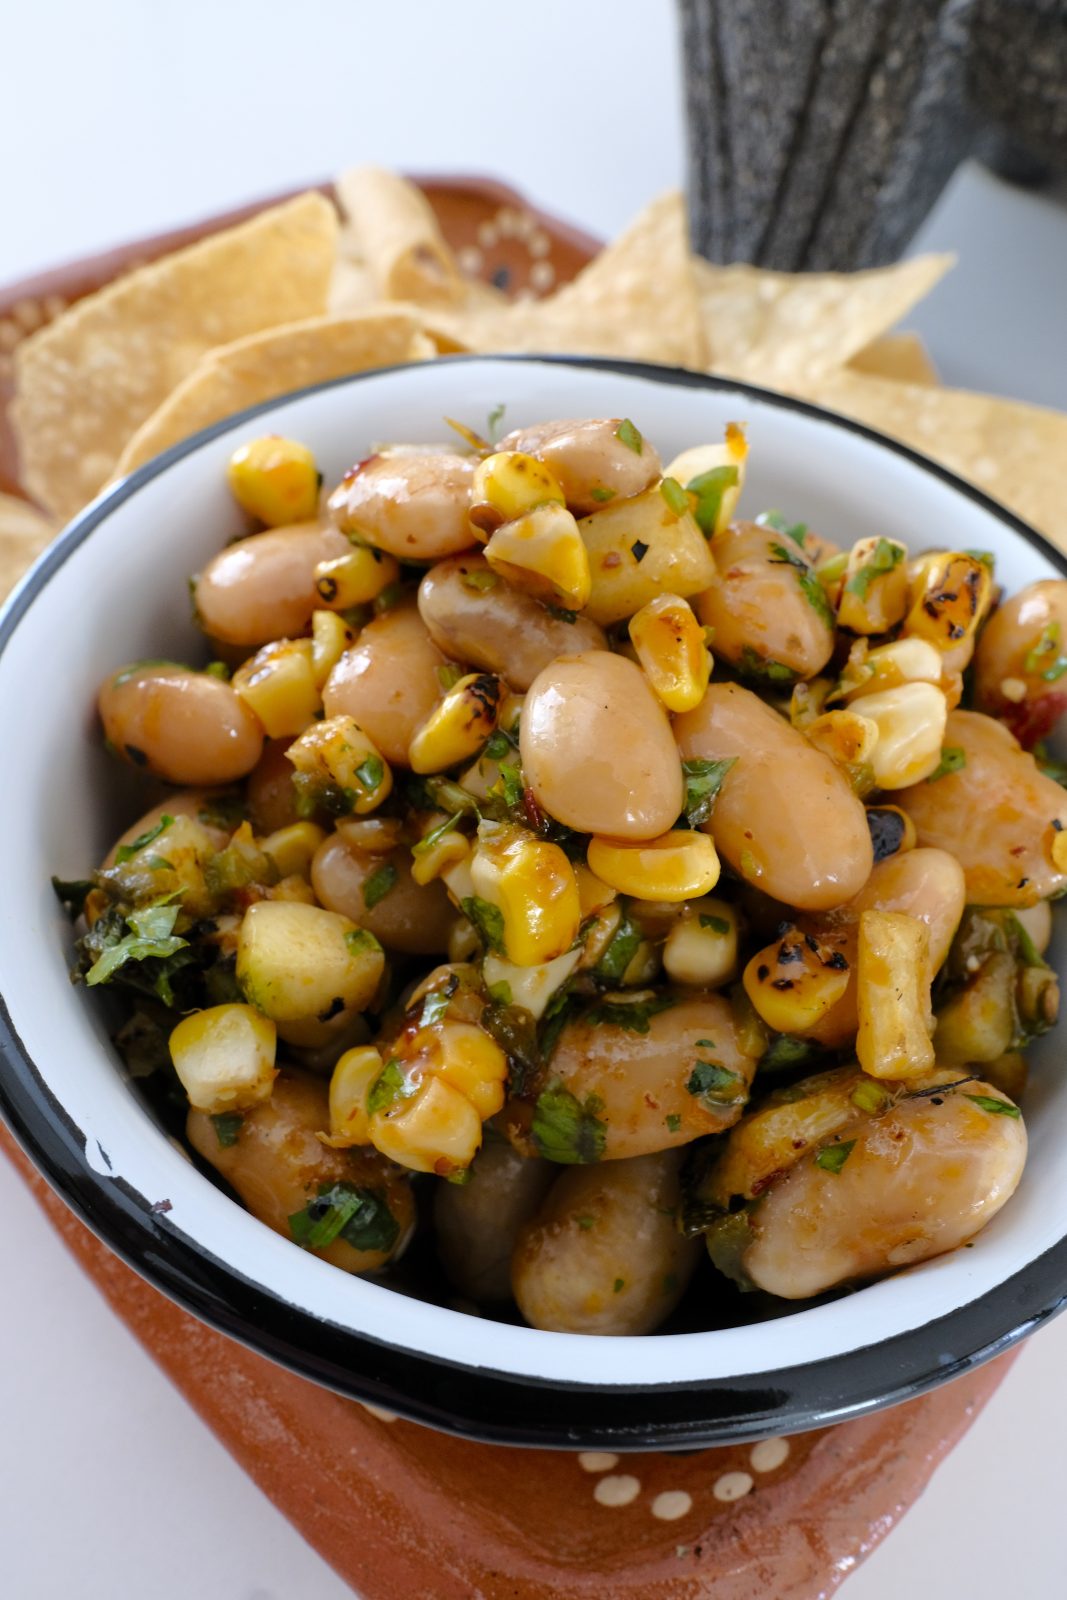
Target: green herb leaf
{"x": 488, "y": 920}
{"x": 709, "y": 488}
{"x": 996, "y": 1108}
{"x": 434, "y": 1007}
{"x": 360, "y": 939}
{"x": 217, "y": 669}
{"x": 430, "y": 840}
{"x": 498, "y": 745}
{"x": 602, "y": 496}
{"x": 381, "y": 881}
{"x": 715, "y": 1084}
{"x": 495, "y": 418}
{"x": 370, "y": 773}
{"x": 621, "y": 950}
{"x": 565, "y": 1131}
{"x": 500, "y": 992}
{"x": 632, "y": 1015}
{"x": 151, "y": 937}
{"x": 561, "y": 613}
{"x": 619, "y": 1285}
{"x": 703, "y": 780}
{"x": 832, "y": 1157}
{"x": 713, "y": 924}
{"x": 585, "y": 1223}
{"x": 227, "y": 1125}
{"x": 125, "y": 851}
{"x": 785, "y": 1052}
{"x": 389, "y": 1086}
{"x": 674, "y": 1121}
{"x": 479, "y": 581}
{"x": 869, "y": 1096}
{"x": 753, "y": 665}
{"x": 359, "y": 1216}
{"x": 986, "y": 557}
{"x": 448, "y": 676}
{"x": 627, "y": 434}
{"x": 797, "y": 531}
{"x": 675, "y": 496}
{"x": 1043, "y": 660}
{"x": 953, "y": 759}
{"x": 883, "y": 558}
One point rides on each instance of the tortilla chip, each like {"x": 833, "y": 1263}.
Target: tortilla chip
{"x": 901, "y": 356}
{"x": 392, "y": 230}
{"x": 272, "y": 363}
{"x": 24, "y": 533}
{"x": 1017, "y": 453}
{"x": 637, "y": 299}
{"x": 89, "y": 379}
{"x": 782, "y": 329}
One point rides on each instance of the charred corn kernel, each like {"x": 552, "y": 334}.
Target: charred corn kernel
{"x": 892, "y": 831}
{"x": 846, "y": 737}
{"x": 893, "y": 996}
{"x": 715, "y": 475}
{"x": 701, "y": 948}
{"x": 679, "y": 865}
{"x": 794, "y": 982}
{"x": 509, "y": 485}
{"x": 224, "y": 1058}
{"x": 374, "y": 835}
{"x": 543, "y": 554}
{"x": 463, "y": 941}
{"x": 441, "y": 847}
{"x": 278, "y": 685}
{"x": 874, "y": 595}
{"x": 330, "y": 638}
{"x": 436, "y": 1130}
{"x": 339, "y": 768}
{"x": 532, "y": 886}
{"x": 671, "y": 651}
{"x": 275, "y": 479}
{"x": 351, "y": 1081}
{"x": 911, "y": 729}
{"x": 299, "y": 963}
{"x": 951, "y": 594}
{"x": 593, "y": 894}
{"x": 529, "y": 987}
{"x": 292, "y": 848}
{"x": 355, "y": 579}
{"x": 459, "y": 725}
{"x": 890, "y": 665}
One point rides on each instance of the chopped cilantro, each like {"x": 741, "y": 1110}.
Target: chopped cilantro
{"x": 498, "y": 745}
{"x": 585, "y": 1223}
{"x": 622, "y": 947}
{"x": 561, "y": 613}
{"x": 390, "y": 1085}
{"x": 714, "y": 1084}
{"x": 480, "y": 581}
{"x": 1044, "y": 660}
{"x": 500, "y": 992}
{"x": 371, "y": 772}
{"x": 435, "y": 1006}
{"x": 359, "y": 939}
{"x": 753, "y": 665}
{"x": 72, "y": 893}
{"x": 448, "y": 676}
{"x": 869, "y": 1096}
{"x": 512, "y": 785}
{"x": 430, "y": 840}
{"x": 952, "y": 760}
{"x": 986, "y": 557}
{"x": 217, "y": 669}
{"x": 703, "y": 780}
{"x": 619, "y": 1285}
{"x": 601, "y": 496}
{"x": 495, "y": 418}
{"x": 151, "y": 937}
{"x": 675, "y": 496}
{"x": 785, "y": 1051}
{"x": 565, "y": 1131}
{"x": 227, "y": 1125}
{"x": 627, "y": 434}
{"x": 797, "y": 531}
{"x": 709, "y": 488}
{"x": 632, "y": 1015}
{"x": 379, "y": 884}
{"x": 713, "y": 924}
{"x": 342, "y": 1210}
{"x": 125, "y": 851}
{"x": 488, "y": 920}
{"x": 674, "y": 1122}
{"x": 996, "y": 1108}
{"x": 832, "y": 1157}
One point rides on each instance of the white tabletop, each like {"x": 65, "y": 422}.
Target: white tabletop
{"x": 123, "y": 118}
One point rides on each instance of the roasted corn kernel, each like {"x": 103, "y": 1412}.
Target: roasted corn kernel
{"x": 330, "y": 638}
{"x": 543, "y": 554}
{"x": 339, "y": 768}
{"x": 531, "y": 886}
{"x": 639, "y": 548}
{"x": 670, "y": 647}
{"x": 846, "y": 737}
{"x": 593, "y": 894}
{"x": 459, "y": 725}
{"x": 893, "y": 996}
{"x": 714, "y": 474}
{"x": 911, "y": 728}
{"x": 529, "y": 987}
{"x": 950, "y": 595}
{"x": 428, "y": 1104}
{"x": 224, "y": 1058}
{"x": 888, "y": 666}
{"x": 292, "y": 848}
{"x": 299, "y": 963}
{"x": 793, "y": 982}
{"x": 701, "y": 948}
{"x": 355, "y": 579}
{"x": 874, "y": 595}
{"x": 436, "y": 1130}
{"x": 509, "y": 485}
{"x": 351, "y": 1081}
{"x": 278, "y": 685}
{"x": 441, "y": 847}
{"x": 275, "y": 479}
{"x": 679, "y": 865}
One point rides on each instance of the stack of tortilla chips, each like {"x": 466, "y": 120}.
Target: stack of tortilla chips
{"x": 308, "y": 291}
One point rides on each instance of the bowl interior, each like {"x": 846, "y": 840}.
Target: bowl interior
{"x": 116, "y": 591}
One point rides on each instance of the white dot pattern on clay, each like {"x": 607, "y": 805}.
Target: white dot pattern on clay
{"x": 617, "y": 1490}
{"x": 597, "y": 1461}
{"x": 769, "y": 1454}
{"x": 732, "y": 1486}
{"x": 672, "y": 1504}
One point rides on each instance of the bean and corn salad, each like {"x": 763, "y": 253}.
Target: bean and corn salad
{"x": 592, "y": 887}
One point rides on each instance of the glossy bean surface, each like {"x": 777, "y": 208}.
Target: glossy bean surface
{"x": 413, "y": 504}
{"x": 388, "y": 680}
{"x": 263, "y": 587}
{"x": 185, "y": 727}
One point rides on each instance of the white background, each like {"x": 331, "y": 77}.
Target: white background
{"x": 123, "y": 118}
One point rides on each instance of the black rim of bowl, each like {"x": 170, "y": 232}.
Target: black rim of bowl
{"x": 474, "y": 1401}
